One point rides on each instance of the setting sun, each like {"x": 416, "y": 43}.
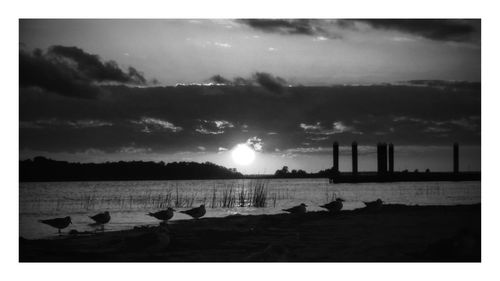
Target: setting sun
{"x": 243, "y": 154}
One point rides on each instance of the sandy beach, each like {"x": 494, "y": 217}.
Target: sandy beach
{"x": 393, "y": 233}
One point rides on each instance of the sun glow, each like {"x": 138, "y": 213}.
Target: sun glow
{"x": 243, "y": 154}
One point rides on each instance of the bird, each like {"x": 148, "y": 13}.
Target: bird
{"x": 334, "y": 206}
{"x": 300, "y": 209}
{"x": 101, "y": 218}
{"x": 163, "y": 215}
{"x": 374, "y": 205}
{"x": 58, "y": 223}
{"x": 196, "y": 212}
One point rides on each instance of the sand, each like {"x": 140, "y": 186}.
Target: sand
{"x": 393, "y": 233}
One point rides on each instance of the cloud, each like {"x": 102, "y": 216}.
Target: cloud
{"x": 454, "y": 30}
{"x": 149, "y": 116}
{"x": 134, "y": 150}
{"x": 154, "y": 124}
{"x": 307, "y": 150}
{"x": 273, "y": 84}
{"x": 320, "y": 38}
{"x": 435, "y": 29}
{"x": 77, "y": 124}
{"x": 256, "y": 143}
{"x": 213, "y": 127}
{"x": 307, "y": 127}
{"x": 311, "y": 27}
{"x": 338, "y": 127}
{"x": 445, "y": 84}
{"x": 470, "y": 123}
{"x": 93, "y": 68}
{"x": 436, "y": 130}
{"x": 37, "y": 70}
{"x": 222, "y": 45}
{"x": 205, "y": 131}
{"x": 71, "y": 72}
{"x": 218, "y": 79}
{"x": 222, "y": 124}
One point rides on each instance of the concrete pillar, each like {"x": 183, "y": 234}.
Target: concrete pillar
{"x": 384, "y": 158}
{"x": 391, "y": 158}
{"x": 335, "y": 156}
{"x": 455, "y": 157}
{"x": 354, "y": 157}
{"x": 381, "y": 158}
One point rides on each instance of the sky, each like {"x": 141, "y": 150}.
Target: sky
{"x": 191, "y": 90}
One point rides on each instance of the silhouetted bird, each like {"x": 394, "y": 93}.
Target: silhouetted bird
{"x": 300, "y": 209}
{"x": 58, "y": 223}
{"x": 334, "y": 206}
{"x": 374, "y": 205}
{"x": 163, "y": 215}
{"x": 101, "y": 218}
{"x": 196, "y": 212}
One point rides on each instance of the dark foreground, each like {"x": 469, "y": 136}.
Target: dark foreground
{"x": 393, "y": 233}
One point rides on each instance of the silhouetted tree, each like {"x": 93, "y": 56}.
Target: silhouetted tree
{"x": 282, "y": 172}
{"x": 43, "y": 169}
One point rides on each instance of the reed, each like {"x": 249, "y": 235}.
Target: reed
{"x": 254, "y": 194}
{"x": 228, "y": 198}
{"x": 214, "y": 198}
{"x": 259, "y": 194}
{"x": 242, "y": 197}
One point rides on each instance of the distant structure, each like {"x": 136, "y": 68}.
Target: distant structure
{"x": 391, "y": 158}
{"x": 354, "y": 157}
{"x": 382, "y": 158}
{"x": 385, "y": 168}
{"x": 335, "y": 156}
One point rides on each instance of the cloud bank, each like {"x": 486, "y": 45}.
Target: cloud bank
{"x": 176, "y": 119}
{"x": 72, "y": 72}
{"x": 455, "y": 30}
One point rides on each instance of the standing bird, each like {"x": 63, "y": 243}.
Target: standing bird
{"x": 374, "y": 205}
{"x": 58, "y": 223}
{"x": 334, "y": 206}
{"x": 196, "y": 212}
{"x": 163, "y": 215}
{"x": 300, "y": 209}
{"x": 101, "y": 218}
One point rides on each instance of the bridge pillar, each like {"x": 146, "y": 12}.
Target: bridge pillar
{"x": 354, "y": 157}
{"x": 335, "y": 156}
{"x": 455, "y": 157}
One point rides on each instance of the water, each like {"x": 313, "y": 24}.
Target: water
{"x": 129, "y": 201}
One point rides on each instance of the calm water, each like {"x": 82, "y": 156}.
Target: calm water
{"x": 129, "y": 201}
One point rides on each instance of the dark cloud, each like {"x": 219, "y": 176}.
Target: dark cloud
{"x": 466, "y": 30}
{"x": 36, "y": 70}
{"x": 435, "y": 29}
{"x": 273, "y": 84}
{"x": 70, "y": 71}
{"x": 173, "y": 119}
{"x": 91, "y": 66}
{"x": 286, "y": 26}
{"x": 218, "y": 79}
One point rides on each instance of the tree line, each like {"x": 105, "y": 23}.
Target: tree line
{"x": 45, "y": 169}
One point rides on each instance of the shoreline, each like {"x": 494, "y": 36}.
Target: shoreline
{"x": 396, "y": 233}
